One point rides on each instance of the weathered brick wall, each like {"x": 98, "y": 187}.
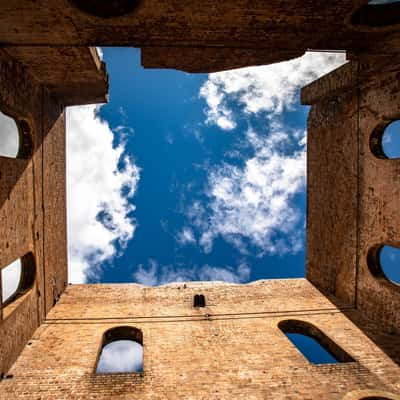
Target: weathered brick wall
{"x": 353, "y": 195}
{"x": 236, "y": 351}
{"x": 332, "y": 183}
{"x": 201, "y": 36}
{"x": 32, "y": 210}
{"x": 33, "y": 91}
{"x": 379, "y": 191}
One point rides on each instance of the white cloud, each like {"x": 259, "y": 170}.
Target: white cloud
{"x": 155, "y": 274}
{"x": 98, "y": 188}
{"x": 186, "y": 236}
{"x": 121, "y": 356}
{"x": 254, "y": 202}
{"x": 147, "y": 275}
{"x": 9, "y": 136}
{"x": 240, "y": 274}
{"x": 270, "y": 88}
{"x": 10, "y": 278}
{"x": 217, "y": 112}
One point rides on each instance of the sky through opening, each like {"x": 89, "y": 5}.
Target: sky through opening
{"x": 190, "y": 176}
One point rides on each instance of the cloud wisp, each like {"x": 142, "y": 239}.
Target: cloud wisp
{"x": 253, "y": 204}
{"x": 155, "y": 274}
{"x": 271, "y": 88}
{"x": 101, "y": 182}
{"x": 251, "y": 201}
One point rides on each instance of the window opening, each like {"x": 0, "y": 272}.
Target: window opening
{"x": 385, "y": 143}
{"x": 199, "y": 300}
{"x": 17, "y": 278}
{"x": 315, "y": 346}
{"x": 9, "y": 136}
{"x": 384, "y": 262}
{"x": 15, "y": 137}
{"x": 375, "y": 398}
{"x": 107, "y": 8}
{"x": 377, "y": 13}
{"x": 122, "y": 351}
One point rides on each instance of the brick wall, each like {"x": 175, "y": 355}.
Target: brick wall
{"x": 353, "y": 195}
{"x": 236, "y": 351}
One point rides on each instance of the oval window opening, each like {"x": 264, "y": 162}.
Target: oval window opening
{"x": 122, "y": 351}
{"x": 377, "y": 13}
{"x": 385, "y": 141}
{"x": 384, "y": 262}
{"x": 17, "y": 278}
{"x": 107, "y": 8}
{"x": 9, "y": 136}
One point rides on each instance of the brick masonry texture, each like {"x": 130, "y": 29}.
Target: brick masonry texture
{"x": 232, "y": 348}
{"x": 355, "y": 193}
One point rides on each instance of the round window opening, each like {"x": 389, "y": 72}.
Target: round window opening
{"x": 385, "y": 141}
{"x": 107, "y": 8}
{"x": 377, "y": 13}
{"x": 384, "y": 262}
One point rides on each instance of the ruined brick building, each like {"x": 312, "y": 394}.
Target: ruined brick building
{"x": 234, "y": 347}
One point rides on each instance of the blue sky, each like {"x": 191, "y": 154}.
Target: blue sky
{"x": 190, "y": 176}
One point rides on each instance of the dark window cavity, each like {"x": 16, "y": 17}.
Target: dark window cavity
{"x": 121, "y": 352}
{"x": 375, "y": 398}
{"x": 199, "y": 300}
{"x": 384, "y": 263}
{"x": 377, "y": 13}
{"x": 315, "y": 346}
{"x": 107, "y": 8}
{"x": 17, "y": 278}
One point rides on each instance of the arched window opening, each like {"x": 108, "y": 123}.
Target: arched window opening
{"x": 121, "y": 352}
{"x": 107, "y": 8}
{"x": 384, "y": 263}
{"x": 377, "y": 13}
{"x": 375, "y": 398}
{"x": 385, "y": 141}
{"x": 315, "y": 346}
{"x": 199, "y": 300}
{"x": 17, "y": 278}
{"x": 15, "y": 138}
{"x": 370, "y": 395}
